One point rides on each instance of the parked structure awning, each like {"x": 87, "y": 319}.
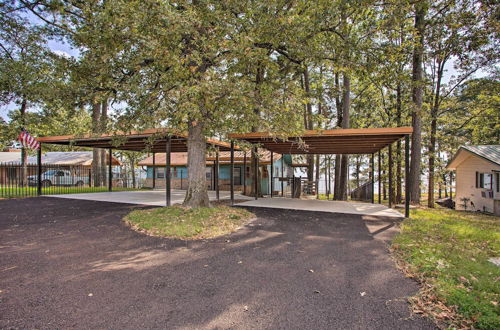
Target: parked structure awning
{"x": 336, "y": 141}
{"x": 339, "y": 141}
{"x": 154, "y": 140}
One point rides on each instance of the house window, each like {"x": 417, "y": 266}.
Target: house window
{"x": 484, "y": 180}
{"x": 498, "y": 182}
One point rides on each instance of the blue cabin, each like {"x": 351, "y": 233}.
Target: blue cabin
{"x": 243, "y": 178}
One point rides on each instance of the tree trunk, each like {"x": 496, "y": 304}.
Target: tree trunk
{"x": 259, "y": 78}
{"x": 96, "y": 153}
{"x": 358, "y": 167}
{"x": 336, "y": 178}
{"x": 445, "y": 182}
{"x": 399, "y": 176}
{"x": 344, "y": 163}
{"x": 432, "y": 143}
{"x": 308, "y": 122}
{"x": 132, "y": 169}
{"x": 196, "y": 194}
{"x": 336, "y": 184}
{"x": 102, "y": 129}
{"x": 417, "y": 99}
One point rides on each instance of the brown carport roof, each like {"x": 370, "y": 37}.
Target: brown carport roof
{"x": 336, "y": 141}
{"x": 133, "y": 141}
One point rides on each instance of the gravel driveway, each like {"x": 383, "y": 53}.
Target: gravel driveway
{"x": 73, "y": 264}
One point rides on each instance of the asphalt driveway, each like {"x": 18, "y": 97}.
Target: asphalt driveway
{"x": 73, "y": 264}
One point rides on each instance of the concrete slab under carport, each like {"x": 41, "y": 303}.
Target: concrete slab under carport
{"x": 143, "y": 197}
{"x": 325, "y": 206}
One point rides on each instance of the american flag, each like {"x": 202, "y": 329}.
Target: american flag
{"x": 27, "y": 140}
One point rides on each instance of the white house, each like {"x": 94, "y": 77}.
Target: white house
{"x": 477, "y": 178}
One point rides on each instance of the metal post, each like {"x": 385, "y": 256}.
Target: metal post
{"x": 329, "y": 176}
{"x": 272, "y": 173}
{"x": 154, "y": 171}
{"x": 244, "y": 172}
{"x": 231, "y": 175}
{"x": 110, "y": 172}
{"x": 407, "y": 176}
{"x": 282, "y": 174}
{"x": 256, "y": 173}
{"x": 39, "y": 173}
{"x": 372, "y": 163}
{"x": 168, "y": 177}
{"x": 379, "y": 178}
{"x": 216, "y": 174}
{"x": 390, "y": 176}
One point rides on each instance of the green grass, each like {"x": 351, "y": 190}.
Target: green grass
{"x": 448, "y": 251}
{"x": 183, "y": 223}
{"x": 9, "y": 192}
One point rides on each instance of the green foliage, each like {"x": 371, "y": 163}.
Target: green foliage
{"x": 472, "y": 113}
{"x": 449, "y": 251}
{"x": 194, "y": 223}
{"x": 239, "y": 66}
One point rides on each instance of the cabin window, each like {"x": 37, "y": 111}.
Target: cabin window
{"x": 484, "y": 180}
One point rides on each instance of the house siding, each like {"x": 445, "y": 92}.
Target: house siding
{"x": 466, "y": 185}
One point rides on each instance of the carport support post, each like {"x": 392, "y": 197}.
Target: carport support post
{"x": 110, "y": 173}
{"x": 407, "y": 176}
{"x": 282, "y": 175}
{"x": 168, "y": 177}
{"x": 256, "y": 173}
{"x": 272, "y": 174}
{"x": 244, "y": 172}
{"x": 231, "y": 175}
{"x": 379, "y": 178}
{"x": 216, "y": 174}
{"x": 154, "y": 171}
{"x": 372, "y": 164}
{"x": 39, "y": 172}
{"x": 390, "y": 176}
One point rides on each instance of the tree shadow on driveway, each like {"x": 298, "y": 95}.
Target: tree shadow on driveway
{"x": 74, "y": 264}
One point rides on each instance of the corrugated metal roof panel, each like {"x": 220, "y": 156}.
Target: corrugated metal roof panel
{"x": 489, "y": 152}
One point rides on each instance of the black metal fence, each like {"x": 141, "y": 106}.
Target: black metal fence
{"x": 17, "y": 180}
